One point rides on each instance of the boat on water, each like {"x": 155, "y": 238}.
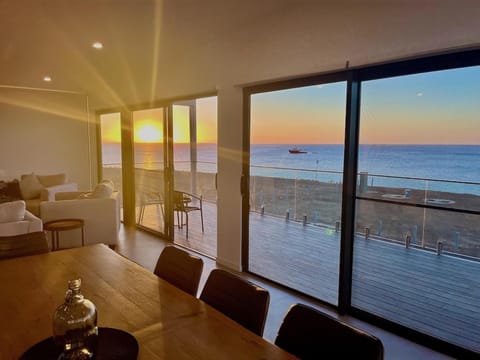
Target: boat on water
{"x": 296, "y": 150}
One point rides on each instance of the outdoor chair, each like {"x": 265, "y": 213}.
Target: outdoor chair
{"x": 310, "y": 334}
{"x": 185, "y": 203}
{"x": 239, "y": 299}
{"x": 24, "y": 244}
{"x": 180, "y": 268}
{"x": 151, "y": 198}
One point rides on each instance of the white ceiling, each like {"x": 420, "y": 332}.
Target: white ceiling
{"x": 190, "y": 46}
{"x": 54, "y": 37}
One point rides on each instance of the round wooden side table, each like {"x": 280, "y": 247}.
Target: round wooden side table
{"x": 56, "y": 226}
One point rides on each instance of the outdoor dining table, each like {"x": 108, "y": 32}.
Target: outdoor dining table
{"x": 167, "y": 322}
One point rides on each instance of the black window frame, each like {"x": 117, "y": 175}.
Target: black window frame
{"x": 355, "y": 77}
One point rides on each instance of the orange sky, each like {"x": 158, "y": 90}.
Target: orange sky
{"x": 148, "y": 124}
{"x": 428, "y": 108}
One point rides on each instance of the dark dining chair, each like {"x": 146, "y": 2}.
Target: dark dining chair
{"x": 23, "y": 244}
{"x": 180, "y": 268}
{"x": 239, "y": 299}
{"x": 310, "y": 334}
{"x": 185, "y": 203}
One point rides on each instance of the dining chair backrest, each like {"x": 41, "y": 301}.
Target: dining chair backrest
{"x": 24, "y": 244}
{"x": 310, "y": 334}
{"x": 239, "y": 299}
{"x": 180, "y": 268}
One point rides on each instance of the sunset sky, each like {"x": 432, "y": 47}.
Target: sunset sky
{"x": 148, "y": 124}
{"x": 308, "y": 115}
{"x": 433, "y": 108}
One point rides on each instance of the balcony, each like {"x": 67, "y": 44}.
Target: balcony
{"x": 416, "y": 266}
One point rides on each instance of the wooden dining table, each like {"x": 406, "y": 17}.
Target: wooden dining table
{"x": 167, "y": 322}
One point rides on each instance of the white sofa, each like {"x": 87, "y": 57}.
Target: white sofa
{"x": 101, "y": 216}
{"x": 16, "y": 220}
{"x": 38, "y": 188}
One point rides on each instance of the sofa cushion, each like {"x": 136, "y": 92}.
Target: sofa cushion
{"x": 30, "y": 187}
{"x": 12, "y": 211}
{"x": 33, "y": 205}
{"x": 10, "y": 191}
{"x": 52, "y": 180}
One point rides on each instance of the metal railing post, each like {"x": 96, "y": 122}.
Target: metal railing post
{"x": 408, "y": 239}
{"x": 439, "y": 247}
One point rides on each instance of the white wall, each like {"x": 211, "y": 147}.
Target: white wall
{"x": 229, "y": 218}
{"x": 45, "y": 133}
{"x": 223, "y": 43}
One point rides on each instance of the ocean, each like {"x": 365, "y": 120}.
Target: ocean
{"x": 452, "y": 168}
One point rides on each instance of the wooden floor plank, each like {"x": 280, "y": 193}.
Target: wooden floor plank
{"x": 435, "y": 294}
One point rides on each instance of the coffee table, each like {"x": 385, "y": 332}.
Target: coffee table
{"x": 56, "y": 226}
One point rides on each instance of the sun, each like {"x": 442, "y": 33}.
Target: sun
{"x": 148, "y": 131}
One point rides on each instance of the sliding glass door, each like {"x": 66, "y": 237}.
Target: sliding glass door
{"x": 195, "y": 167}
{"x": 154, "y": 152}
{"x": 295, "y": 196}
{"x": 149, "y": 134}
{"x": 394, "y": 236}
{"x": 111, "y": 150}
{"x": 417, "y": 243}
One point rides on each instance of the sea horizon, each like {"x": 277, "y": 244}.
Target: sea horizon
{"x": 448, "y": 167}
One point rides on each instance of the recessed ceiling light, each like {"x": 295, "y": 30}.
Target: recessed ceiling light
{"x": 47, "y": 78}
{"x": 97, "y": 45}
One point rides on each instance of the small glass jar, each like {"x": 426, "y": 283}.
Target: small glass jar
{"x": 75, "y": 328}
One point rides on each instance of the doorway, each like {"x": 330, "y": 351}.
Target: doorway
{"x": 194, "y": 174}
{"x": 150, "y": 162}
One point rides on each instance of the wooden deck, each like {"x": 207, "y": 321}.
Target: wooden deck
{"x": 437, "y": 295}
{"x": 205, "y": 243}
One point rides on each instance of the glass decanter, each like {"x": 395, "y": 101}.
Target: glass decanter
{"x": 75, "y": 325}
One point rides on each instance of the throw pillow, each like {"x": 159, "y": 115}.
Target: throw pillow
{"x": 10, "y": 191}
{"x": 12, "y": 211}
{"x": 109, "y": 182}
{"x": 102, "y": 190}
{"x": 30, "y": 187}
{"x": 52, "y": 180}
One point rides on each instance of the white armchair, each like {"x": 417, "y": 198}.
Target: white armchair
{"x": 15, "y": 220}
{"x": 101, "y": 217}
